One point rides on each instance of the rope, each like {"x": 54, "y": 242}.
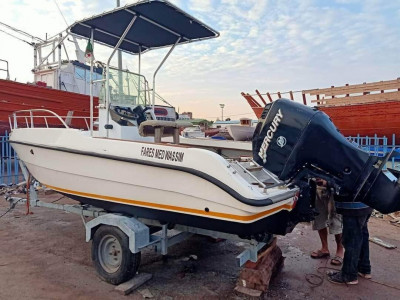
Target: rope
{"x": 10, "y": 208}
{"x": 31, "y": 44}
{"x": 310, "y": 278}
{"x": 384, "y": 284}
{"x": 276, "y": 93}
{"x": 21, "y": 32}
{"x": 58, "y": 199}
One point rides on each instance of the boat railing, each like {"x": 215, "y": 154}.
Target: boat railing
{"x": 6, "y": 70}
{"x": 39, "y": 118}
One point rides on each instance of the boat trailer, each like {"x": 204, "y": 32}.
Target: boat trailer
{"x": 110, "y": 248}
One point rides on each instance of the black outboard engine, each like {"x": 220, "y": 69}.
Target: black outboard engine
{"x": 297, "y": 143}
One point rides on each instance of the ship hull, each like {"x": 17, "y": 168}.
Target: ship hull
{"x": 16, "y": 96}
{"x": 380, "y": 118}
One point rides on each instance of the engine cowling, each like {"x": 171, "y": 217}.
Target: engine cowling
{"x": 297, "y": 143}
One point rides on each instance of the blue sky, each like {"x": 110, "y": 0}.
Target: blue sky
{"x": 268, "y": 45}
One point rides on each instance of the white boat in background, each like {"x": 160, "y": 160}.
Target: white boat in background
{"x": 193, "y": 132}
{"x": 223, "y": 135}
{"x": 242, "y": 132}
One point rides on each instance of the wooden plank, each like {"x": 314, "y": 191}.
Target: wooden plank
{"x": 131, "y": 285}
{"x": 304, "y": 99}
{"x": 291, "y": 95}
{"x": 252, "y": 102}
{"x": 248, "y": 292}
{"x": 391, "y": 96}
{"x": 382, "y": 243}
{"x": 279, "y": 95}
{"x": 356, "y": 88}
{"x": 269, "y": 97}
{"x": 261, "y": 97}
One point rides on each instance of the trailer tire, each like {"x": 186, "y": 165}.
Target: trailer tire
{"x": 112, "y": 258}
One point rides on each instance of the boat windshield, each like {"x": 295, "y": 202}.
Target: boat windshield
{"x": 126, "y": 89}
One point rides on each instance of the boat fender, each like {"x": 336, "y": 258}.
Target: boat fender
{"x": 137, "y": 232}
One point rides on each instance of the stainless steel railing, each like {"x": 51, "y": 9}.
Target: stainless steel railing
{"x": 31, "y": 118}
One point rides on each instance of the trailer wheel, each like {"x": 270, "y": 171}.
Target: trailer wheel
{"x": 112, "y": 258}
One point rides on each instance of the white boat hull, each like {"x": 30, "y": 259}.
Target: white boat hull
{"x": 241, "y": 133}
{"x": 188, "y": 188}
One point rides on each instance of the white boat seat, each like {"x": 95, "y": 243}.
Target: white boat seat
{"x": 160, "y": 129}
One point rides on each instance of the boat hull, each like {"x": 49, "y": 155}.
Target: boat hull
{"x": 241, "y": 133}
{"x": 146, "y": 189}
{"x": 278, "y": 223}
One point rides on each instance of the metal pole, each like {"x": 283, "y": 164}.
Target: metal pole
{"x": 91, "y": 82}
{"x": 59, "y": 63}
{"x": 120, "y": 82}
{"x": 35, "y": 57}
{"x": 140, "y": 61}
{"x": 222, "y": 111}
{"x": 52, "y": 51}
{"x": 159, "y": 67}
{"x": 394, "y": 146}
{"x": 108, "y": 68}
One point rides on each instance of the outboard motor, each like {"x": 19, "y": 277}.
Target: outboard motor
{"x": 298, "y": 143}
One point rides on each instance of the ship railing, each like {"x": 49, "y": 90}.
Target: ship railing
{"x": 39, "y": 118}
{"x": 6, "y": 70}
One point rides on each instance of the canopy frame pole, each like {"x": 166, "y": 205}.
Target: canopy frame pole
{"x": 107, "y": 104}
{"x": 159, "y": 67}
{"x": 139, "y": 70}
{"x": 110, "y": 34}
{"x": 91, "y": 82}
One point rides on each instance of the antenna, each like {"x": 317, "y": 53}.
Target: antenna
{"x": 55, "y": 2}
{"x": 21, "y": 33}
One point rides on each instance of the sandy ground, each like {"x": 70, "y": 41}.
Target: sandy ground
{"x": 45, "y": 256}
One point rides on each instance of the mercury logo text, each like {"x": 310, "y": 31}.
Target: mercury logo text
{"x": 270, "y": 134}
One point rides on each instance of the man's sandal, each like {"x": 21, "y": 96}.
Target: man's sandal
{"x": 337, "y": 261}
{"x": 319, "y": 254}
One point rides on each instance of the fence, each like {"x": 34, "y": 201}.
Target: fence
{"x": 378, "y": 146}
{"x": 10, "y": 172}
{"x": 9, "y": 163}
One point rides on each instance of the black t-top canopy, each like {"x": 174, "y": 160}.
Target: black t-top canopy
{"x": 159, "y": 23}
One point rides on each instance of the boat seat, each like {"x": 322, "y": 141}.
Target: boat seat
{"x": 160, "y": 129}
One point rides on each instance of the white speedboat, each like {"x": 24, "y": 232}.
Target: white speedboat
{"x": 125, "y": 167}
{"x": 242, "y": 132}
{"x": 193, "y": 132}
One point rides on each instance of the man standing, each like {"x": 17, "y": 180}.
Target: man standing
{"x": 355, "y": 242}
{"x": 327, "y": 218}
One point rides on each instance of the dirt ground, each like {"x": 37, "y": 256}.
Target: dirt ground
{"x": 45, "y": 256}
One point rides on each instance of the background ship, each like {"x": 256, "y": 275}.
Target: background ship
{"x": 361, "y": 109}
{"x": 19, "y": 96}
